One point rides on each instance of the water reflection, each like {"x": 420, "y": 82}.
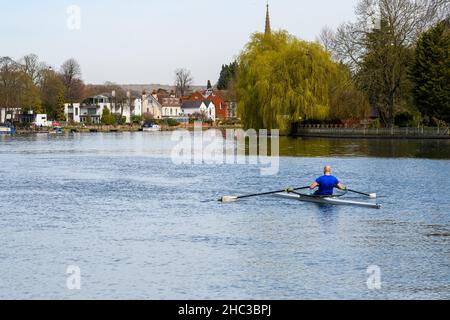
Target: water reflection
{"x": 299, "y": 147}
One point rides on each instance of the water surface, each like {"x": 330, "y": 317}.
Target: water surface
{"x": 142, "y": 227}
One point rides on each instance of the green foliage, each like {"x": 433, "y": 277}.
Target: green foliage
{"x": 384, "y": 73}
{"x": 119, "y": 119}
{"x": 60, "y": 116}
{"x": 88, "y": 121}
{"x": 137, "y": 119}
{"x": 431, "y": 73}
{"x": 227, "y": 75}
{"x": 17, "y": 88}
{"x": 209, "y": 86}
{"x": 346, "y": 100}
{"x": 108, "y": 118}
{"x": 375, "y": 124}
{"x": 52, "y": 95}
{"x": 283, "y": 80}
{"x": 172, "y": 122}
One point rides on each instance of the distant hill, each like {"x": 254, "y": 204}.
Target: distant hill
{"x": 150, "y": 87}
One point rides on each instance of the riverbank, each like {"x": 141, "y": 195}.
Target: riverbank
{"x": 376, "y": 133}
{"x": 113, "y": 129}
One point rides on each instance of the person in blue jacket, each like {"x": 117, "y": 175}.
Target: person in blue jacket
{"x": 326, "y": 184}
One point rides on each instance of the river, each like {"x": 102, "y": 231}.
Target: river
{"x": 138, "y": 225}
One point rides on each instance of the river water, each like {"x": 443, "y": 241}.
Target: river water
{"x": 138, "y": 225}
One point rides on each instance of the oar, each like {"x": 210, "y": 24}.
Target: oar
{"x": 370, "y": 195}
{"x": 227, "y": 199}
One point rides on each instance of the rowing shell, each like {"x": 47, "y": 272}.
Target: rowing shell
{"x": 327, "y": 200}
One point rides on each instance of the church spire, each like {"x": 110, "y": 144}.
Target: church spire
{"x": 268, "y": 29}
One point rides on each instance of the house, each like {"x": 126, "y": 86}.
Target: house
{"x": 9, "y": 115}
{"x": 171, "y": 105}
{"x": 91, "y": 108}
{"x": 229, "y": 106}
{"x": 207, "y": 107}
{"x": 221, "y": 106}
{"x": 224, "y": 102}
{"x": 151, "y": 105}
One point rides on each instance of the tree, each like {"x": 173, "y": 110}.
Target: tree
{"x": 71, "y": 79}
{"x": 282, "y": 80}
{"x": 60, "y": 115}
{"x": 383, "y": 73}
{"x": 52, "y": 95}
{"x": 108, "y": 118}
{"x": 209, "y": 86}
{"x": 346, "y": 100}
{"x": 378, "y": 46}
{"x": 17, "y": 89}
{"x": 33, "y": 67}
{"x": 183, "y": 81}
{"x": 431, "y": 72}
{"x": 227, "y": 75}
{"x": 326, "y": 38}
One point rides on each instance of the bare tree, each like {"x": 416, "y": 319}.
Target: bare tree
{"x": 326, "y": 38}
{"x": 33, "y": 67}
{"x": 71, "y": 77}
{"x": 404, "y": 21}
{"x": 183, "y": 81}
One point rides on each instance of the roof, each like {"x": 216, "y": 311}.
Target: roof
{"x": 192, "y": 104}
{"x": 196, "y": 96}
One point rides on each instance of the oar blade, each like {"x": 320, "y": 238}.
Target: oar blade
{"x": 373, "y": 196}
{"x": 228, "y": 199}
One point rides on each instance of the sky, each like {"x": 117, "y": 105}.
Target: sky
{"x": 144, "y": 41}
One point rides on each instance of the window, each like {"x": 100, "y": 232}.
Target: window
{"x": 76, "y": 111}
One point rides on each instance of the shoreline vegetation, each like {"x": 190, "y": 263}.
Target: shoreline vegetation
{"x": 318, "y": 131}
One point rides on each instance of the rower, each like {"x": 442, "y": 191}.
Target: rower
{"x": 327, "y": 183}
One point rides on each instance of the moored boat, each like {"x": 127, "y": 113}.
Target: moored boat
{"x": 7, "y": 130}
{"x": 151, "y": 127}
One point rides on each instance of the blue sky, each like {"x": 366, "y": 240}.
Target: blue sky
{"x": 144, "y": 41}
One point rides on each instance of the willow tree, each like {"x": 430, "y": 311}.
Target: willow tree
{"x": 282, "y": 80}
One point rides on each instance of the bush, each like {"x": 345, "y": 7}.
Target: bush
{"x": 137, "y": 119}
{"x": 172, "y": 122}
{"x": 375, "y": 124}
{"x": 407, "y": 119}
{"x": 118, "y": 119}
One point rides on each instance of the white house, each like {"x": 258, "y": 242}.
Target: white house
{"x": 91, "y": 108}
{"x": 207, "y": 107}
{"x": 9, "y": 114}
{"x": 41, "y": 120}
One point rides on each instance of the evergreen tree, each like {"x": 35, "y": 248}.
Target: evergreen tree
{"x": 227, "y": 74}
{"x": 108, "y": 118}
{"x": 60, "y": 116}
{"x": 431, "y": 73}
{"x": 209, "y": 86}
